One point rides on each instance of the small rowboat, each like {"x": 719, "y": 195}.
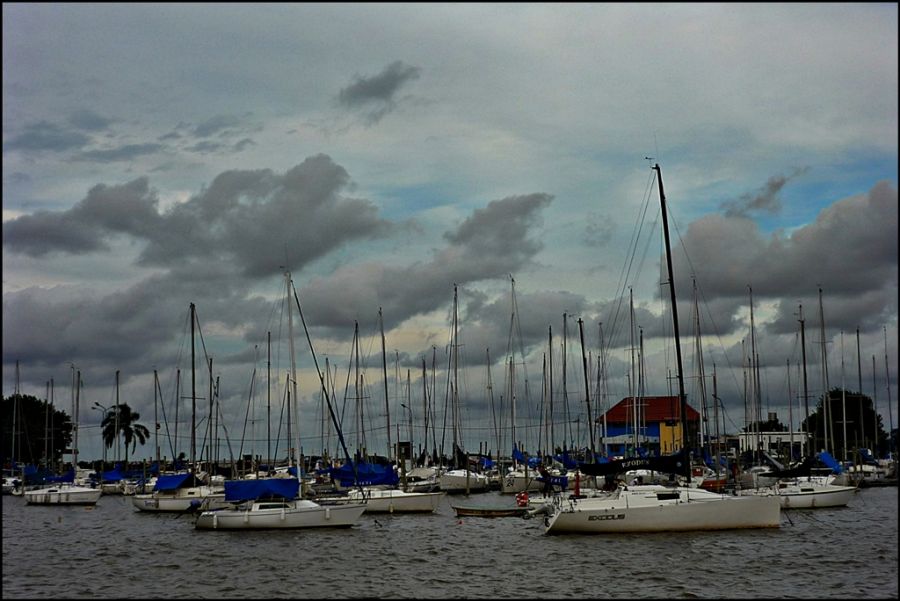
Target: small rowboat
{"x": 489, "y": 512}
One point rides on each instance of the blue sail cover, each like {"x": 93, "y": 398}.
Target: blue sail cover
{"x": 826, "y": 458}
{"x": 67, "y": 477}
{"x": 867, "y": 457}
{"x": 264, "y": 488}
{"x": 174, "y": 482}
{"x": 517, "y": 454}
{"x": 568, "y": 461}
{"x": 367, "y": 474}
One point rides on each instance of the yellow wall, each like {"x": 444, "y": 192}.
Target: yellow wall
{"x": 669, "y": 438}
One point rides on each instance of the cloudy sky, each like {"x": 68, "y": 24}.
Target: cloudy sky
{"x": 156, "y": 156}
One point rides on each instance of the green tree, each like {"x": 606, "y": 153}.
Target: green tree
{"x": 121, "y": 420}
{"x": 769, "y": 425}
{"x": 861, "y": 420}
{"x": 29, "y": 426}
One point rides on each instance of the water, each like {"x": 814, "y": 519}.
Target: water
{"x": 114, "y": 551}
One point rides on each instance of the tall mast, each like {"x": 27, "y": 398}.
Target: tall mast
{"x": 874, "y": 409}
{"x": 387, "y": 408}
{"x": 75, "y": 428}
{"x": 551, "y": 440}
{"x": 680, "y": 375}
{"x": 425, "y": 404}
{"x": 887, "y": 377}
{"x": 632, "y": 382}
{"x": 604, "y": 391}
{"x": 117, "y": 413}
{"x": 156, "y": 413}
{"x": 843, "y": 398}
{"x": 288, "y": 286}
{"x": 805, "y": 388}
{"x": 754, "y": 378}
{"x": 587, "y": 390}
{"x": 828, "y": 432}
{"x": 861, "y": 430}
{"x": 454, "y": 397}
{"x": 269, "y": 402}
{"x": 193, "y": 395}
{"x": 565, "y": 390}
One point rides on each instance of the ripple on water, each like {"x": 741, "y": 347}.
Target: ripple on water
{"x": 852, "y": 552}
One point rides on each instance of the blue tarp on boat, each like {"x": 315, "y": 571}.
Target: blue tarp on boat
{"x": 114, "y": 475}
{"x": 826, "y": 458}
{"x": 264, "y": 488}
{"x": 367, "y": 474}
{"x": 867, "y": 457}
{"x": 174, "y": 482}
{"x": 67, "y": 477}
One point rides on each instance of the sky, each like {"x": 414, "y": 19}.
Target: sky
{"x": 395, "y": 157}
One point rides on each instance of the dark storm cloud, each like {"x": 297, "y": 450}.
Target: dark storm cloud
{"x": 105, "y": 211}
{"x": 377, "y": 93}
{"x": 252, "y": 220}
{"x": 215, "y": 125}
{"x": 88, "y": 120}
{"x": 491, "y": 243}
{"x": 127, "y": 152}
{"x": 221, "y": 127}
{"x": 205, "y": 147}
{"x": 858, "y": 235}
{"x": 243, "y": 144}
{"x": 765, "y": 200}
{"x": 47, "y": 136}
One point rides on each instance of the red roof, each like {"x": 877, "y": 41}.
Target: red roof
{"x": 655, "y": 409}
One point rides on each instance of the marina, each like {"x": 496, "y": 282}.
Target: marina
{"x": 440, "y": 555}
{"x": 394, "y": 301}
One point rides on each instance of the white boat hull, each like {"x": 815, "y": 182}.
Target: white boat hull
{"x": 185, "y": 499}
{"x": 517, "y": 481}
{"x": 658, "y": 510}
{"x": 397, "y": 501}
{"x": 63, "y": 495}
{"x": 281, "y": 515}
{"x": 459, "y": 481}
{"x": 812, "y": 496}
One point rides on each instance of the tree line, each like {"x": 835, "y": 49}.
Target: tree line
{"x": 38, "y": 433}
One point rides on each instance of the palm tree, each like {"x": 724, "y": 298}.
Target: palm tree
{"x": 132, "y": 432}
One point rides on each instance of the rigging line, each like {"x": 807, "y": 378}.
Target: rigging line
{"x": 712, "y": 321}
{"x": 321, "y": 379}
{"x": 249, "y": 403}
{"x": 624, "y": 274}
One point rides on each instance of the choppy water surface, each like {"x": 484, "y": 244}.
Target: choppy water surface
{"x": 114, "y": 551}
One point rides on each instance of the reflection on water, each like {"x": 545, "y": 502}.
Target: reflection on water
{"x": 114, "y": 551}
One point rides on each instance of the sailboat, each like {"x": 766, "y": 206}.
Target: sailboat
{"x": 183, "y": 492}
{"x": 390, "y": 497}
{"x": 461, "y": 478}
{"x": 277, "y": 503}
{"x": 656, "y": 508}
{"x": 66, "y": 493}
{"x": 796, "y": 486}
{"x": 274, "y": 503}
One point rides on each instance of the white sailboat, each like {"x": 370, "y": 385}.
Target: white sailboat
{"x": 807, "y": 493}
{"x": 186, "y": 491}
{"x": 66, "y": 493}
{"x": 459, "y": 479}
{"x": 655, "y": 508}
{"x": 276, "y": 503}
{"x": 395, "y": 500}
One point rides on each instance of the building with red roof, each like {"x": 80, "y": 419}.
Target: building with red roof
{"x": 659, "y": 425}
